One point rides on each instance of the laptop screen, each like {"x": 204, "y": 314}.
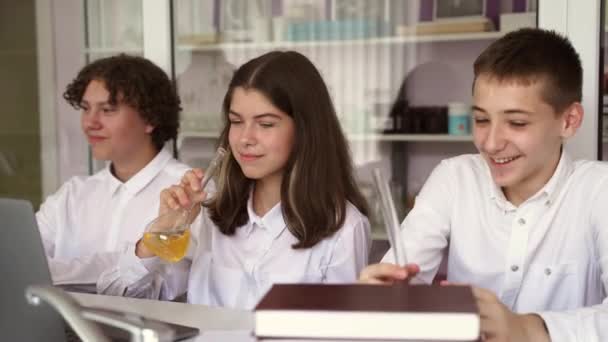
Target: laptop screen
{"x": 23, "y": 263}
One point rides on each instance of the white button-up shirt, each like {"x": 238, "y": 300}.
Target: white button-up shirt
{"x": 549, "y": 255}
{"x": 89, "y": 221}
{"x": 235, "y": 271}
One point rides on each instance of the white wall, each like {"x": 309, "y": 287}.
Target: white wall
{"x": 61, "y": 47}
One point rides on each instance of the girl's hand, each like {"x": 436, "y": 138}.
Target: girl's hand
{"x": 186, "y": 194}
{"x": 175, "y": 202}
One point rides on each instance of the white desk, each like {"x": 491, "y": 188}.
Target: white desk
{"x": 210, "y": 320}
{"x": 215, "y": 324}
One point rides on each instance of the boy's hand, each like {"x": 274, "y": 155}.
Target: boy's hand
{"x": 499, "y": 324}
{"x": 386, "y": 273}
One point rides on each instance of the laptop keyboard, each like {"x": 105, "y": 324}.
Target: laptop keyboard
{"x": 70, "y": 335}
{"x": 120, "y": 335}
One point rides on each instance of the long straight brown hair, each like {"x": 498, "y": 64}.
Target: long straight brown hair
{"x": 318, "y": 179}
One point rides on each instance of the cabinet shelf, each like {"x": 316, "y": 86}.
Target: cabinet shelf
{"x": 114, "y": 50}
{"x": 340, "y": 43}
{"x": 410, "y": 137}
{"x": 356, "y": 137}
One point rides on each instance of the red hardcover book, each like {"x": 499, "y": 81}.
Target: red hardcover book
{"x": 397, "y": 312}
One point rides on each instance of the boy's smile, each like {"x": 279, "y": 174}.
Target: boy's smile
{"x": 518, "y": 134}
{"x": 504, "y": 160}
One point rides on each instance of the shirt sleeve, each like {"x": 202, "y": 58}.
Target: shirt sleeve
{"x": 425, "y": 230}
{"x": 581, "y": 325}
{"x": 350, "y": 252}
{"x": 52, "y": 215}
{"x": 149, "y": 278}
{"x": 144, "y": 277}
{"x": 81, "y": 270}
{"x": 590, "y": 323}
{"x": 51, "y": 218}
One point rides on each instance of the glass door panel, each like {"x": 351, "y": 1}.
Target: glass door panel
{"x": 395, "y": 70}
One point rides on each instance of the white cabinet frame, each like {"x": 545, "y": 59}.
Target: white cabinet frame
{"x": 580, "y": 22}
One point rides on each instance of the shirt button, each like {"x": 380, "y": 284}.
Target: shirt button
{"x": 514, "y": 268}
{"x": 548, "y": 203}
{"x": 521, "y": 221}
{"x": 547, "y": 271}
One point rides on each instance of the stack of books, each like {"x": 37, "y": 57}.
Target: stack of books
{"x": 336, "y": 30}
{"x": 447, "y": 26}
{"x": 198, "y": 39}
{"x": 367, "y": 312}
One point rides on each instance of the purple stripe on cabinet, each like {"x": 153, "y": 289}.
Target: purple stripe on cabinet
{"x": 277, "y": 8}
{"x": 519, "y": 5}
{"x": 426, "y": 10}
{"x": 216, "y": 14}
{"x": 493, "y": 11}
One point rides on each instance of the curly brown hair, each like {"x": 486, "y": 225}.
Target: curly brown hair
{"x": 137, "y": 82}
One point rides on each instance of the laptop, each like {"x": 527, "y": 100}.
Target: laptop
{"x": 23, "y": 263}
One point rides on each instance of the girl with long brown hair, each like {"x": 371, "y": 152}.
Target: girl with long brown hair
{"x": 286, "y": 207}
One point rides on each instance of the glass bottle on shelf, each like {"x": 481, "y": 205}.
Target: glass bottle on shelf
{"x": 364, "y": 51}
{"x": 114, "y": 26}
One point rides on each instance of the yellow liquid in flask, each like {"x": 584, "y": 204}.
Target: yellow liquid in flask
{"x": 171, "y": 247}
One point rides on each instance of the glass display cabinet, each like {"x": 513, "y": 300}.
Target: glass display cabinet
{"x": 396, "y": 70}
{"x": 399, "y": 71}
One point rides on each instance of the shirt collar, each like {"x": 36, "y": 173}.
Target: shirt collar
{"x": 564, "y": 169}
{"x": 106, "y": 176}
{"x": 550, "y": 190}
{"x": 142, "y": 178}
{"x": 272, "y": 221}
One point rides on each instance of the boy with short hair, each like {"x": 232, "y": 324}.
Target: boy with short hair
{"x": 525, "y": 225}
